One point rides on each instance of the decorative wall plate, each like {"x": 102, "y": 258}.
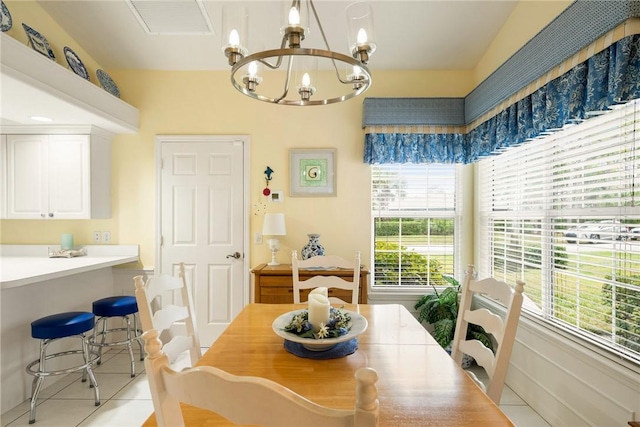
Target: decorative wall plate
{"x": 107, "y": 83}
{"x": 75, "y": 63}
{"x": 5, "y": 18}
{"x": 38, "y": 42}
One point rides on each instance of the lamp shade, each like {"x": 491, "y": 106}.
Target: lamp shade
{"x": 274, "y": 225}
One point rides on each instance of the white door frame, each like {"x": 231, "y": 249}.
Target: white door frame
{"x": 245, "y": 141}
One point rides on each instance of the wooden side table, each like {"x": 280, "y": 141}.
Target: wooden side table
{"x": 274, "y": 283}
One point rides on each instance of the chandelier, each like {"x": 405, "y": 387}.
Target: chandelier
{"x": 298, "y": 82}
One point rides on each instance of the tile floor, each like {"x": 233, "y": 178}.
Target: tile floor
{"x": 126, "y": 401}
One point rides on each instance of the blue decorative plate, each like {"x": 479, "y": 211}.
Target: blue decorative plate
{"x": 107, "y": 83}
{"x": 5, "y": 18}
{"x": 38, "y": 42}
{"x": 75, "y": 63}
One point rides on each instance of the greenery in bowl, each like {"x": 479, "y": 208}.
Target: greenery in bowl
{"x": 440, "y": 309}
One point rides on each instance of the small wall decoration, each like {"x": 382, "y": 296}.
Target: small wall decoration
{"x": 267, "y": 178}
{"x": 313, "y": 172}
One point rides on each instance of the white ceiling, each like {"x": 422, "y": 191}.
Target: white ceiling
{"x": 410, "y": 35}
{"x": 445, "y": 34}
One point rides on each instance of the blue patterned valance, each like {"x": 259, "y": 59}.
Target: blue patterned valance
{"x": 609, "y": 77}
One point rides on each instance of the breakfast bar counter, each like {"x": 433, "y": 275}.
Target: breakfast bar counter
{"x": 32, "y": 285}
{"x": 22, "y": 265}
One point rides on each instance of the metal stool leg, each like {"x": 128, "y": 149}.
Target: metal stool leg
{"x": 89, "y": 370}
{"x": 138, "y": 334}
{"x": 133, "y": 363}
{"x": 37, "y": 383}
{"x": 104, "y": 335}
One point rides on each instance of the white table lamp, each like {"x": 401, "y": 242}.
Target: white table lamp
{"x": 274, "y": 226}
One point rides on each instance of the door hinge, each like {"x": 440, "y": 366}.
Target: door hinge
{"x": 161, "y": 240}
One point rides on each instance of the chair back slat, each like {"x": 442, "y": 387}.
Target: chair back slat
{"x": 502, "y": 330}
{"x": 247, "y": 400}
{"x": 326, "y": 262}
{"x": 170, "y": 318}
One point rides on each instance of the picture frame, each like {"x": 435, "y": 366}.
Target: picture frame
{"x": 312, "y": 172}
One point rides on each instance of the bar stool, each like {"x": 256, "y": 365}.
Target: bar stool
{"x": 118, "y": 306}
{"x": 51, "y": 328}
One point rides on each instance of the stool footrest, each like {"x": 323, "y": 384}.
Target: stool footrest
{"x": 93, "y": 340}
{"x": 90, "y": 364}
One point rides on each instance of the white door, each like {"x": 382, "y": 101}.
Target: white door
{"x": 204, "y": 221}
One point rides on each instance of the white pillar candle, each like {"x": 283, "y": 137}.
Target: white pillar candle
{"x": 318, "y": 310}
{"x": 321, "y": 290}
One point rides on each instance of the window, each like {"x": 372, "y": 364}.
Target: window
{"x": 414, "y": 220}
{"x": 563, "y": 214}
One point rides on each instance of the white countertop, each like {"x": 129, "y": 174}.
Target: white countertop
{"x": 26, "y": 264}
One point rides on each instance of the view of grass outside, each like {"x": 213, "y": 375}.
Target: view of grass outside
{"x": 590, "y": 291}
{"x": 413, "y": 251}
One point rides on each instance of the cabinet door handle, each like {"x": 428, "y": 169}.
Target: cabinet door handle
{"x": 50, "y": 214}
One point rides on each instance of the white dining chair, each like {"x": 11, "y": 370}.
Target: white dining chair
{"x": 326, "y": 262}
{"x": 247, "y": 400}
{"x": 175, "y": 317}
{"x": 503, "y": 330}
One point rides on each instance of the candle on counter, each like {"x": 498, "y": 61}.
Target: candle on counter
{"x": 318, "y": 310}
{"x": 67, "y": 241}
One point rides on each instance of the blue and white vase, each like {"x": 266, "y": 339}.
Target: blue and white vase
{"x": 313, "y": 248}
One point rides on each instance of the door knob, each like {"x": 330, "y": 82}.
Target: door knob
{"x": 235, "y": 255}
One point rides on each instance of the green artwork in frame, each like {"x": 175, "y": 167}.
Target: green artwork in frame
{"x": 313, "y": 172}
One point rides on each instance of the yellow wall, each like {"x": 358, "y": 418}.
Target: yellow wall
{"x": 527, "y": 19}
{"x": 192, "y": 103}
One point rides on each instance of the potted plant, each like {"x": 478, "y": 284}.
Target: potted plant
{"x": 440, "y": 309}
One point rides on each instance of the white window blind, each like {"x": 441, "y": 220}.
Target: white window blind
{"x": 563, "y": 214}
{"x": 414, "y": 221}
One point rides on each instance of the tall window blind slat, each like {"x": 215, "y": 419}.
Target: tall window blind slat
{"x": 562, "y": 214}
{"x": 414, "y": 221}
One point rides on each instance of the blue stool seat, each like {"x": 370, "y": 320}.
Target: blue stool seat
{"x": 47, "y": 329}
{"x": 62, "y": 325}
{"x": 126, "y": 307}
{"x": 115, "y": 306}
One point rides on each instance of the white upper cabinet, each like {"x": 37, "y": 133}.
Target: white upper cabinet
{"x": 57, "y": 177}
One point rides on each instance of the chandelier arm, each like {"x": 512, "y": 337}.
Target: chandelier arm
{"x": 287, "y": 80}
{"x": 315, "y": 14}
{"x": 279, "y": 61}
{"x": 326, "y": 43}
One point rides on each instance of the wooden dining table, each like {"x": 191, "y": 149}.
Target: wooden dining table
{"x": 419, "y": 384}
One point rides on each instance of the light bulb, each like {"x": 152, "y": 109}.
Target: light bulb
{"x": 362, "y": 36}
{"x": 306, "y": 80}
{"x": 234, "y": 38}
{"x": 253, "y": 69}
{"x": 294, "y": 16}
